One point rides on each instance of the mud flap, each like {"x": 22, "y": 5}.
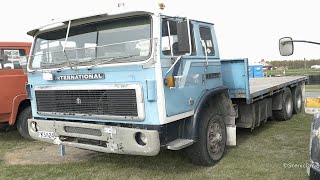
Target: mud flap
{"x": 231, "y": 135}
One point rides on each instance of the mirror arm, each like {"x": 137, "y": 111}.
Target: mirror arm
{"x": 310, "y": 42}
{"x": 178, "y": 59}
{"x": 206, "y": 52}
{"x": 189, "y": 37}
{"x": 169, "y": 33}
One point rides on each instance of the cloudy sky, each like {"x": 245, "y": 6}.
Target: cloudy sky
{"x": 246, "y": 28}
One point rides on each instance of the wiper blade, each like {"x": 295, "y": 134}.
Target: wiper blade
{"x": 65, "y": 44}
{"x": 100, "y": 62}
{"x": 83, "y": 62}
{"x": 49, "y": 65}
{"x": 110, "y": 59}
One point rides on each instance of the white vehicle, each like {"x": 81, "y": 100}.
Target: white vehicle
{"x": 315, "y": 67}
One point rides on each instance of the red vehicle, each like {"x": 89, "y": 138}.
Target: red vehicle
{"x": 14, "y": 106}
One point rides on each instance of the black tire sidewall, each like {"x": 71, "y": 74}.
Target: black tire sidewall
{"x": 286, "y": 97}
{"x": 22, "y": 122}
{"x": 218, "y": 119}
{"x": 296, "y": 94}
{"x": 201, "y": 147}
{"x": 282, "y": 114}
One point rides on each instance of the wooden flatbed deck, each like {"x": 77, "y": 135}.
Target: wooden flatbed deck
{"x": 262, "y": 87}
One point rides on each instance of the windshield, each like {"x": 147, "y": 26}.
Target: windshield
{"x": 113, "y": 41}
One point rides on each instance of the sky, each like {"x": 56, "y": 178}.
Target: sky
{"x": 244, "y": 29}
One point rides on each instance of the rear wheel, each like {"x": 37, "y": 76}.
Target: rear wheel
{"x": 22, "y": 122}
{"x": 297, "y": 99}
{"x": 287, "y": 107}
{"x": 211, "y": 141}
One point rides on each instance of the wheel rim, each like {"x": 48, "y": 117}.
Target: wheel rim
{"x": 215, "y": 138}
{"x": 289, "y": 105}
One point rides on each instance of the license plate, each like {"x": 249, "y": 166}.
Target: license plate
{"x": 46, "y": 135}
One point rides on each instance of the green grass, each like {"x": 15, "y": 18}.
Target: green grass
{"x": 313, "y": 88}
{"x": 294, "y": 72}
{"x": 260, "y": 154}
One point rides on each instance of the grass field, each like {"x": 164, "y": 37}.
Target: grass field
{"x": 294, "y": 72}
{"x": 312, "y": 88}
{"x": 267, "y": 152}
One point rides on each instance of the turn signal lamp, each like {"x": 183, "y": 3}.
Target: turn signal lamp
{"x": 312, "y": 105}
{"x": 161, "y": 6}
{"x": 170, "y": 81}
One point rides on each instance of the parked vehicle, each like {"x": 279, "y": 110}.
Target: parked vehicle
{"x": 132, "y": 82}
{"x": 315, "y": 67}
{"x": 312, "y": 106}
{"x": 14, "y": 106}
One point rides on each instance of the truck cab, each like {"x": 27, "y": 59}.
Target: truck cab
{"x": 14, "y": 106}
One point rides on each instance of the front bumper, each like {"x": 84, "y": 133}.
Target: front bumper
{"x": 96, "y": 137}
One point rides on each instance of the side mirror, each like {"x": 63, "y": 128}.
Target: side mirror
{"x": 183, "y": 33}
{"x": 312, "y": 105}
{"x": 286, "y": 47}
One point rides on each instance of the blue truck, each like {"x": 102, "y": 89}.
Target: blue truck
{"x": 135, "y": 82}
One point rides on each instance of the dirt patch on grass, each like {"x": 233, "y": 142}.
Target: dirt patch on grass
{"x": 46, "y": 154}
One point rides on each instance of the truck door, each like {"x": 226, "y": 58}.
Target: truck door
{"x": 12, "y": 80}
{"x": 209, "y": 53}
{"x": 190, "y": 73}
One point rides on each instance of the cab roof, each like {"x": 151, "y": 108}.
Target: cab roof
{"x": 114, "y": 13}
{"x": 100, "y": 15}
{"x": 15, "y": 44}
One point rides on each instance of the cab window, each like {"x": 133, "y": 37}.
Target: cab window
{"x": 9, "y": 58}
{"x": 206, "y": 39}
{"x": 170, "y": 38}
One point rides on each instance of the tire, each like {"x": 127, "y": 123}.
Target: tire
{"x": 297, "y": 99}
{"x": 213, "y": 129}
{"x": 22, "y": 122}
{"x": 287, "y": 107}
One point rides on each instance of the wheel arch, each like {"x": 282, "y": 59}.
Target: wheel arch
{"x": 19, "y": 103}
{"x": 205, "y": 101}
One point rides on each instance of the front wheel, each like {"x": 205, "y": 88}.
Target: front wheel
{"x": 211, "y": 140}
{"x": 22, "y": 122}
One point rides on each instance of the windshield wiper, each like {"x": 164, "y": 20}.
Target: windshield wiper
{"x": 74, "y": 63}
{"x": 65, "y": 44}
{"x": 99, "y": 62}
{"x": 52, "y": 65}
{"x": 108, "y": 60}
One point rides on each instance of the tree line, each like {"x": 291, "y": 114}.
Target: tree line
{"x": 295, "y": 64}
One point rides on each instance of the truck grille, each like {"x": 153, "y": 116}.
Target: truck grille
{"x": 111, "y": 102}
